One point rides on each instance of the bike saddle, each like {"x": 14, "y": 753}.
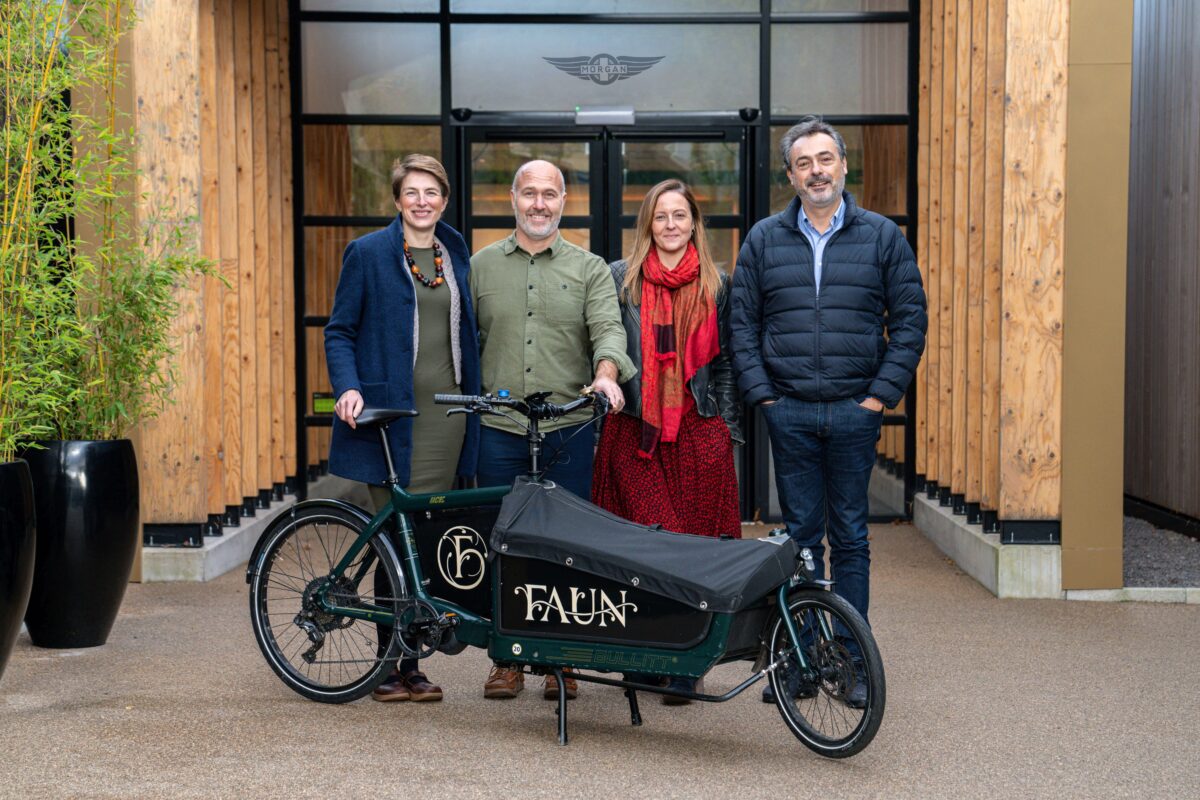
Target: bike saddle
{"x": 382, "y": 416}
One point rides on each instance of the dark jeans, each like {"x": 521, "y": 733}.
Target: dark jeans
{"x": 824, "y": 453}
{"x": 503, "y": 456}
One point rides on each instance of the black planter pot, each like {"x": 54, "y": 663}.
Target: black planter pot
{"x": 87, "y": 513}
{"x": 17, "y": 546}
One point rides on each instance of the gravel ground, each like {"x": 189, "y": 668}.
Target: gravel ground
{"x": 1157, "y": 557}
{"x": 986, "y": 699}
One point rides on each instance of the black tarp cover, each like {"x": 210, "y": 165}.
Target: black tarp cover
{"x": 548, "y": 523}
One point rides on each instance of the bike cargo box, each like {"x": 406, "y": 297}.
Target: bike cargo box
{"x": 569, "y": 568}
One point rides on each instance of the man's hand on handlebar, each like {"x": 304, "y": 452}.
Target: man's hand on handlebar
{"x": 349, "y": 406}
{"x": 605, "y": 383}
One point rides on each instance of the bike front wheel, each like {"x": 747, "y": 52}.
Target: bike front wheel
{"x": 824, "y": 703}
{"x": 321, "y": 655}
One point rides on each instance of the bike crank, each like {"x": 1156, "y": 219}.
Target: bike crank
{"x": 420, "y": 627}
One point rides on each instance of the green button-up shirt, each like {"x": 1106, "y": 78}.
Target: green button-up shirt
{"x": 545, "y": 322}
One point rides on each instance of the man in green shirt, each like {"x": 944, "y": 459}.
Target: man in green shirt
{"x": 548, "y": 321}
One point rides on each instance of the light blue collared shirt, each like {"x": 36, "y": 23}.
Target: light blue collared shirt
{"x": 818, "y": 240}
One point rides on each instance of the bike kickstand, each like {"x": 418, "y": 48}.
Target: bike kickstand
{"x": 562, "y": 707}
{"x": 635, "y": 715}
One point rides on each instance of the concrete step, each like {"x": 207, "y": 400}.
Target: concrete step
{"x": 232, "y": 549}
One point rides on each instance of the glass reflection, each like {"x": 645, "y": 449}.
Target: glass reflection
{"x": 877, "y": 161}
{"x": 839, "y": 69}
{"x": 371, "y": 68}
{"x": 493, "y": 165}
{"x": 712, "y": 169}
{"x": 323, "y": 249}
{"x": 348, "y": 168}
{"x": 809, "y": 6}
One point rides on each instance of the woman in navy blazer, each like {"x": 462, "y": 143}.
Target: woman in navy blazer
{"x": 402, "y": 329}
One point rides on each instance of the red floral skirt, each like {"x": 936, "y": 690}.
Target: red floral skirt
{"x": 689, "y": 486}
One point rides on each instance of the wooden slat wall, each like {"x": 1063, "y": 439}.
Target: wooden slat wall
{"x": 931, "y": 388}
{"x": 958, "y": 316}
{"x": 922, "y": 245}
{"x": 993, "y": 216}
{"x": 1162, "y": 379}
{"x": 990, "y": 180}
{"x": 942, "y": 315}
{"x": 164, "y": 76}
{"x": 291, "y": 465}
{"x": 218, "y": 146}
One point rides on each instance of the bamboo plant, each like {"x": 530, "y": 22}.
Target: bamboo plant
{"x": 89, "y": 291}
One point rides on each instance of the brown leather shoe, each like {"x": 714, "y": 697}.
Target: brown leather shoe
{"x": 503, "y": 682}
{"x": 550, "y": 690}
{"x": 391, "y": 690}
{"x": 420, "y": 690}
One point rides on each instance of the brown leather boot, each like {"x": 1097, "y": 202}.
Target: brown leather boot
{"x": 420, "y": 690}
{"x": 503, "y": 682}
{"x": 550, "y": 690}
{"x": 391, "y": 690}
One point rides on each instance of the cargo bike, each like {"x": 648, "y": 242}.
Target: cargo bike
{"x": 543, "y": 580}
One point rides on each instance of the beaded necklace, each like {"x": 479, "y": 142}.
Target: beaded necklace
{"x": 439, "y": 276}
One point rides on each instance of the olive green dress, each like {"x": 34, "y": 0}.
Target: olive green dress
{"x": 437, "y": 439}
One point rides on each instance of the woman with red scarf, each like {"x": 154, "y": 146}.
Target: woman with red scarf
{"x": 667, "y": 459}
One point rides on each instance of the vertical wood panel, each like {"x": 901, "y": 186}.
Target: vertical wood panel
{"x": 993, "y": 239}
{"x": 962, "y": 155}
{"x": 276, "y": 273}
{"x": 932, "y": 360}
{"x": 210, "y": 239}
{"x": 1031, "y": 360}
{"x": 922, "y": 238}
{"x": 248, "y": 357}
{"x": 975, "y": 226}
{"x": 261, "y": 335}
{"x": 944, "y": 314}
{"x": 290, "y": 465}
{"x": 229, "y": 377}
{"x": 166, "y": 86}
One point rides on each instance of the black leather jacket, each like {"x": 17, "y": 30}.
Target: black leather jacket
{"x": 713, "y": 386}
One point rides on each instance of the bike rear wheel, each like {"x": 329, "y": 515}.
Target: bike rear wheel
{"x": 841, "y": 654}
{"x": 324, "y": 656}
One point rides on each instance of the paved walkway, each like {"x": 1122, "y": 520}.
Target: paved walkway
{"x": 986, "y": 698}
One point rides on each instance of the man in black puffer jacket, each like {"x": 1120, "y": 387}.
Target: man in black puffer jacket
{"x": 815, "y": 289}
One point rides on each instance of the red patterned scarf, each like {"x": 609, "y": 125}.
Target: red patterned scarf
{"x": 677, "y": 318}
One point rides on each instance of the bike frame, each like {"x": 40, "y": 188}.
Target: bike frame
{"x": 471, "y": 629}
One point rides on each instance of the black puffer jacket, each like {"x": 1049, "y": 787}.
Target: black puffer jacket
{"x": 712, "y": 386}
{"x": 787, "y": 340}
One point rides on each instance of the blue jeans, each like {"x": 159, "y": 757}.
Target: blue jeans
{"x": 824, "y": 453}
{"x": 503, "y": 456}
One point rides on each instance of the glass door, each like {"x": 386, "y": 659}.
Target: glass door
{"x": 608, "y": 172}
{"x": 711, "y": 161}
{"x": 491, "y": 158}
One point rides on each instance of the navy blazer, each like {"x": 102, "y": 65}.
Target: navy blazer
{"x": 369, "y": 347}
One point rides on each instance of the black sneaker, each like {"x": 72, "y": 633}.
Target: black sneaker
{"x": 801, "y": 688}
{"x": 857, "y": 696}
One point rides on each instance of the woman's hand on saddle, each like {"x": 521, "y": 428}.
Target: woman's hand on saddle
{"x": 349, "y": 406}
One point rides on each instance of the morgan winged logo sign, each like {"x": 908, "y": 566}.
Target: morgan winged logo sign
{"x": 603, "y": 68}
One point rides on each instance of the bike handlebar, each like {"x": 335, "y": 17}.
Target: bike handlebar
{"x": 457, "y": 399}
{"x": 534, "y": 406}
